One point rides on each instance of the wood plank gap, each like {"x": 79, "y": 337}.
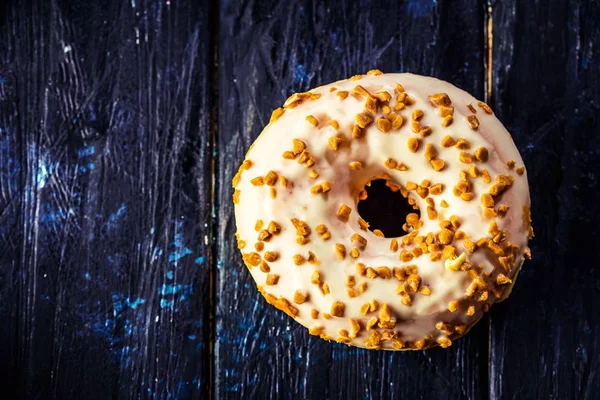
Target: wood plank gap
{"x": 486, "y": 347}
{"x": 489, "y": 30}
{"x": 214, "y": 165}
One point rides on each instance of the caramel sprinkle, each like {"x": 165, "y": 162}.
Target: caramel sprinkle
{"x": 337, "y": 309}
{"x": 502, "y": 279}
{"x": 340, "y": 250}
{"x": 384, "y": 272}
{"x": 298, "y": 146}
{"x": 300, "y": 298}
{"x": 430, "y": 152}
{"x": 363, "y": 287}
{"x": 463, "y": 144}
{"x": 312, "y": 120}
{"x": 413, "y": 144}
{"x": 448, "y": 141}
{"x": 271, "y": 256}
{"x": 355, "y": 165}
{"x": 390, "y": 163}
{"x": 438, "y": 164}
{"x": 344, "y": 212}
{"x": 359, "y": 90}
{"x": 272, "y": 279}
{"x": 481, "y": 154}
{"x": 271, "y": 178}
{"x": 371, "y": 105}
{"x": 274, "y": 228}
{"x": 334, "y": 142}
{"x": 417, "y": 114}
{"x": 473, "y": 122}
{"x": 465, "y": 157}
{"x": 363, "y": 120}
{"x": 397, "y": 122}
{"x": 425, "y": 131}
{"x": 299, "y": 259}
{"x": 315, "y": 278}
{"x": 446, "y": 111}
{"x": 416, "y": 126}
{"x": 485, "y": 107}
{"x": 440, "y": 99}
{"x": 383, "y": 96}
{"x": 384, "y": 125}
{"x": 316, "y": 189}
{"x": 357, "y": 132}
{"x": 359, "y": 239}
{"x": 453, "y": 306}
{"x": 342, "y": 94}
{"x": 277, "y": 113}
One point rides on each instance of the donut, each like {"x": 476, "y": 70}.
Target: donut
{"x": 313, "y": 256}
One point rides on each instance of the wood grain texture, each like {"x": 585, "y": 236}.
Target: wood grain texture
{"x": 268, "y": 50}
{"x": 105, "y": 196}
{"x": 544, "y": 341}
{"x": 116, "y": 221}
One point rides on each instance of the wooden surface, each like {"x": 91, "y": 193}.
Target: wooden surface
{"x": 122, "y": 122}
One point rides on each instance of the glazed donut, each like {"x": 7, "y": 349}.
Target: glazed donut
{"x": 314, "y": 257}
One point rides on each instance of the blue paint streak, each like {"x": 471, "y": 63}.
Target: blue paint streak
{"x": 584, "y": 62}
{"x": 420, "y": 8}
{"x": 43, "y": 172}
{"x": 164, "y": 303}
{"x": 169, "y": 275}
{"x": 178, "y": 254}
{"x": 86, "y": 151}
{"x": 169, "y": 289}
{"x": 200, "y": 260}
{"x": 120, "y": 212}
{"x": 300, "y": 75}
{"x": 187, "y": 291}
{"x": 180, "y": 249}
{"x": 122, "y": 304}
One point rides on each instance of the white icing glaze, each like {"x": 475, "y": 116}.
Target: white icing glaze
{"x": 255, "y": 203}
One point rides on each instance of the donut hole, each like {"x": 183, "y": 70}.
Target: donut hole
{"x": 385, "y": 209}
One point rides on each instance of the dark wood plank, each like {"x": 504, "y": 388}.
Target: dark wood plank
{"x": 269, "y": 49}
{"x": 105, "y": 199}
{"x": 546, "y": 62}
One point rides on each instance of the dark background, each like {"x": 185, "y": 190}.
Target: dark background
{"x": 122, "y": 122}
